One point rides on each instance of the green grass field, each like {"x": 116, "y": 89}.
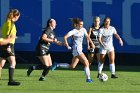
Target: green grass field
{"x": 73, "y": 81}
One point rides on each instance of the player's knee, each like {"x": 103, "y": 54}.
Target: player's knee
{"x": 86, "y": 63}
{"x": 13, "y": 64}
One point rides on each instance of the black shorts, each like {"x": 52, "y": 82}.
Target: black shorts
{"x": 96, "y": 50}
{"x": 4, "y": 53}
{"x": 41, "y": 51}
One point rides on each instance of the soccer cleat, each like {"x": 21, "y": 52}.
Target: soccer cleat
{"x": 42, "y": 79}
{"x": 113, "y": 76}
{"x": 54, "y": 66}
{"x": 29, "y": 71}
{"x": 89, "y": 80}
{"x": 13, "y": 83}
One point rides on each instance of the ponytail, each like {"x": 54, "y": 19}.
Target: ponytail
{"x": 12, "y": 13}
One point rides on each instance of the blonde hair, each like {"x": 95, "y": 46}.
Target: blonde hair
{"x": 96, "y": 17}
{"x": 12, "y": 13}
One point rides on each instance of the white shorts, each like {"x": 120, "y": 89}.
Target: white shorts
{"x": 76, "y": 51}
{"x": 104, "y": 51}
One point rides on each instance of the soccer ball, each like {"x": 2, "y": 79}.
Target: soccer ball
{"x": 103, "y": 77}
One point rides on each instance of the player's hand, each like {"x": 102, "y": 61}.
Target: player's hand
{"x": 69, "y": 48}
{"x": 104, "y": 46}
{"x": 55, "y": 40}
{"x": 121, "y": 42}
{"x": 9, "y": 49}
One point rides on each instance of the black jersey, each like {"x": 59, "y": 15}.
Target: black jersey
{"x": 50, "y": 34}
{"x": 94, "y": 36}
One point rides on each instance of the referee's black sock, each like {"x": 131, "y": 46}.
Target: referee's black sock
{"x": 11, "y": 74}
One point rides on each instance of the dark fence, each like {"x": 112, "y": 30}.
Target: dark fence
{"x": 66, "y": 57}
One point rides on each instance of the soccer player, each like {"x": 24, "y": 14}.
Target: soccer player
{"x": 93, "y": 34}
{"x": 42, "y": 49}
{"x": 77, "y": 35}
{"x": 106, "y": 41}
{"x": 7, "y": 51}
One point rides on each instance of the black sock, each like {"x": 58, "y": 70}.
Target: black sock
{"x": 11, "y": 74}
{"x": 46, "y": 71}
{"x": 38, "y": 67}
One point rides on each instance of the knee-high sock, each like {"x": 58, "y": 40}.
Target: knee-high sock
{"x": 100, "y": 67}
{"x": 63, "y": 65}
{"x": 87, "y": 72}
{"x": 45, "y": 71}
{"x": 112, "y": 68}
{"x": 38, "y": 67}
{"x": 11, "y": 73}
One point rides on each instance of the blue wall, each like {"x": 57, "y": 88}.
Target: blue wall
{"x": 34, "y": 14}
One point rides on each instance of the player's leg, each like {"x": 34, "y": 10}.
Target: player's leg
{"x": 36, "y": 67}
{"x": 74, "y": 63}
{"x": 40, "y": 52}
{"x": 84, "y": 60}
{"x": 101, "y": 63}
{"x": 2, "y": 63}
{"x": 102, "y": 53}
{"x": 97, "y": 54}
{"x": 111, "y": 56}
{"x": 10, "y": 55}
{"x": 12, "y": 61}
{"x": 75, "y": 60}
{"x": 90, "y": 58}
{"x": 47, "y": 62}
{"x": 60, "y": 65}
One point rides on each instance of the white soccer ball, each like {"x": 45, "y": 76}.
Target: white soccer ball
{"x": 103, "y": 77}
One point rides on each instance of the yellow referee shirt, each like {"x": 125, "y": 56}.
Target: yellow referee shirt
{"x": 9, "y": 29}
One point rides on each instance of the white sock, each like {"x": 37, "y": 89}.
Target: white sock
{"x": 63, "y": 65}
{"x": 87, "y": 72}
{"x": 112, "y": 68}
{"x": 100, "y": 67}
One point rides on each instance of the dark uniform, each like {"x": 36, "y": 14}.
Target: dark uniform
{"x": 42, "y": 47}
{"x": 94, "y": 38}
{"x": 4, "y": 53}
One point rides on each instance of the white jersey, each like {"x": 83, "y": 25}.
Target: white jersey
{"x": 77, "y": 36}
{"x": 107, "y": 36}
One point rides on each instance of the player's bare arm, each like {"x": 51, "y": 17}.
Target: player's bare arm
{"x": 89, "y": 33}
{"x": 100, "y": 41}
{"x": 120, "y": 40}
{"x": 65, "y": 41}
{"x": 45, "y": 38}
{"x": 92, "y": 44}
